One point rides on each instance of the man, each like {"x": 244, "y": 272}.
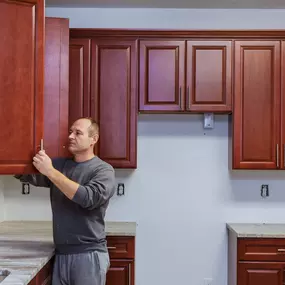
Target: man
{"x": 80, "y": 189}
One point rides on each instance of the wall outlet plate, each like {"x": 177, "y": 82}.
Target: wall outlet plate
{"x": 208, "y": 120}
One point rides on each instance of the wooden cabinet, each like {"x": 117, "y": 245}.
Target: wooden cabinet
{"x": 106, "y": 89}
{"x": 122, "y": 260}
{"x": 256, "y": 261}
{"x": 56, "y": 87}
{"x": 257, "y": 98}
{"x": 21, "y": 84}
{"x": 206, "y": 65}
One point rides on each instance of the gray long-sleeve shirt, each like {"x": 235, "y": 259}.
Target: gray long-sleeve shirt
{"x": 78, "y": 224}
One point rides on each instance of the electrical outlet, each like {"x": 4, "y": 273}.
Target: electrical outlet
{"x": 25, "y": 188}
{"x": 208, "y": 281}
{"x": 264, "y": 192}
{"x": 121, "y": 189}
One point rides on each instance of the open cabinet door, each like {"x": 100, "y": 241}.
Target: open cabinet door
{"x": 56, "y": 87}
{"x": 21, "y": 84}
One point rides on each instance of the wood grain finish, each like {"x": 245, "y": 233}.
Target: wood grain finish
{"x": 256, "y": 114}
{"x": 122, "y": 260}
{"x": 209, "y": 76}
{"x": 267, "y": 249}
{"x": 121, "y": 247}
{"x": 181, "y": 34}
{"x": 114, "y": 100}
{"x": 282, "y": 143}
{"x": 21, "y": 84}
{"x": 56, "y": 87}
{"x": 121, "y": 272}
{"x": 79, "y": 78}
{"x": 259, "y": 273}
{"x": 256, "y": 261}
{"x": 161, "y": 76}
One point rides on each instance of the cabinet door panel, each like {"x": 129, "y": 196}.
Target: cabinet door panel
{"x": 21, "y": 84}
{"x": 260, "y": 273}
{"x": 161, "y": 76}
{"x": 121, "y": 272}
{"x": 79, "y": 78}
{"x": 209, "y": 76}
{"x": 56, "y": 87}
{"x": 256, "y": 114}
{"x": 114, "y": 100}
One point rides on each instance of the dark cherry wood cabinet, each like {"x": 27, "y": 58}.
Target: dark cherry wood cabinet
{"x": 106, "y": 89}
{"x": 122, "y": 260}
{"x": 257, "y": 98}
{"x": 114, "y": 100}
{"x": 207, "y": 66}
{"x": 56, "y": 95}
{"x": 21, "y": 84}
{"x": 256, "y": 261}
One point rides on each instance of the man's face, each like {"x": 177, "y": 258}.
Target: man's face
{"x": 79, "y": 139}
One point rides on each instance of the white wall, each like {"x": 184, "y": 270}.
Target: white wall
{"x": 183, "y": 192}
{"x": 2, "y": 209}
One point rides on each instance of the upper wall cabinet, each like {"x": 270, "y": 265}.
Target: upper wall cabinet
{"x": 21, "y": 84}
{"x": 56, "y": 87}
{"x": 257, "y": 141}
{"x": 206, "y": 66}
{"x": 103, "y": 74}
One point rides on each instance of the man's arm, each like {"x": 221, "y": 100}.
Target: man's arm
{"x": 99, "y": 189}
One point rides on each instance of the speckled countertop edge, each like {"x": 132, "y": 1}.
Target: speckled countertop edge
{"x": 18, "y": 234}
{"x": 257, "y": 230}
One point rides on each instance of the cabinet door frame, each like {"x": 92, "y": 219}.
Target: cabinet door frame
{"x": 225, "y": 104}
{"x": 238, "y": 162}
{"x": 178, "y": 104}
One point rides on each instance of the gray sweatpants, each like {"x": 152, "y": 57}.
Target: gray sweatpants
{"x": 81, "y": 269}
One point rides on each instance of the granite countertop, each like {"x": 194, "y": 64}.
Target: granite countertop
{"x": 26, "y": 246}
{"x": 260, "y": 230}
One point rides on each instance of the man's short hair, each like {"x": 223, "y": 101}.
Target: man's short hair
{"x": 93, "y": 129}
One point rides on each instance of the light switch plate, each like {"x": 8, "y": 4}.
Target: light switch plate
{"x": 208, "y": 120}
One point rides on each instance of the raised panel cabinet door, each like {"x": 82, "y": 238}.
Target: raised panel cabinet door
{"x": 161, "y": 76}
{"x": 114, "y": 100}
{"x": 256, "y": 112}
{"x": 21, "y": 84}
{"x": 209, "y": 76}
{"x": 121, "y": 272}
{"x": 282, "y": 146}
{"x": 79, "y": 78}
{"x": 56, "y": 87}
{"x": 260, "y": 273}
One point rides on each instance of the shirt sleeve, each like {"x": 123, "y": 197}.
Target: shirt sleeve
{"x": 38, "y": 180}
{"x": 97, "y": 191}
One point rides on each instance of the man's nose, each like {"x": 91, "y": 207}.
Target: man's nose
{"x": 71, "y": 136}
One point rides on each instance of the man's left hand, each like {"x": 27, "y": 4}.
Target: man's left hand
{"x": 43, "y": 163}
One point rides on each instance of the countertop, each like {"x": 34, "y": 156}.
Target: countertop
{"x": 260, "y": 230}
{"x": 26, "y": 246}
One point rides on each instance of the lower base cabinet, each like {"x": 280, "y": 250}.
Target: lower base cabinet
{"x": 256, "y": 261}
{"x": 122, "y": 263}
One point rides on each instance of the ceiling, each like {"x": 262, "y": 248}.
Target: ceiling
{"x": 179, "y": 4}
